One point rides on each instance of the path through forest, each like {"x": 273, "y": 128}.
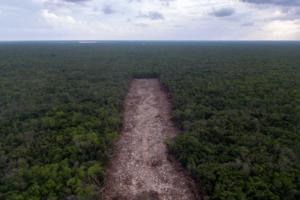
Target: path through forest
{"x": 141, "y": 169}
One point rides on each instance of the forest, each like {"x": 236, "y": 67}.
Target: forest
{"x": 237, "y": 106}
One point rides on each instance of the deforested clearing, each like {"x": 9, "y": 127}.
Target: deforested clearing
{"x": 141, "y": 169}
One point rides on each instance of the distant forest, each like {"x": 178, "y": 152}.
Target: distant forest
{"x": 237, "y": 106}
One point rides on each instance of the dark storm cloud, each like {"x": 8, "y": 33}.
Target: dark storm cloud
{"x": 275, "y": 2}
{"x": 223, "y": 12}
{"x": 154, "y": 15}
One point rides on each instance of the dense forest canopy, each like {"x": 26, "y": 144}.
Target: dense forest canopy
{"x": 237, "y": 106}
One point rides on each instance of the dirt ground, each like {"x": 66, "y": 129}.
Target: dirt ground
{"x": 140, "y": 168}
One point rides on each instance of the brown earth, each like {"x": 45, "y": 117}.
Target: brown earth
{"x": 141, "y": 168}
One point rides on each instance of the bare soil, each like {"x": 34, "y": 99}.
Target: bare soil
{"x": 141, "y": 168}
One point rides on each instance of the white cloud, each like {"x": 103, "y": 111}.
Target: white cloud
{"x": 281, "y": 30}
{"x": 59, "y": 21}
{"x": 149, "y": 19}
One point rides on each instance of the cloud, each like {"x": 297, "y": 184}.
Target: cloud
{"x": 282, "y": 9}
{"x": 142, "y": 25}
{"x": 167, "y": 2}
{"x": 275, "y": 2}
{"x": 280, "y": 29}
{"x": 223, "y": 12}
{"x": 57, "y": 21}
{"x": 107, "y": 9}
{"x": 153, "y": 15}
{"x": 248, "y": 24}
{"x": 76, "y": 1}
{"x": 150, "y": 19}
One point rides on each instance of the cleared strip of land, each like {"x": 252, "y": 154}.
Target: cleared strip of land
{"x": 141, "y": 169}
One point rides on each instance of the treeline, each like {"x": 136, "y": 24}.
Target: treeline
{"x": 237, "y": 107}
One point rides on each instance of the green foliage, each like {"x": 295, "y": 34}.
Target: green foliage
{"x": 238, "y": 111}
{"x": 58, "y": 118}
{"x": 237, "y": 106}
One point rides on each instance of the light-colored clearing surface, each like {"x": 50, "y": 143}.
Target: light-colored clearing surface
{"x": 141, "y": 169}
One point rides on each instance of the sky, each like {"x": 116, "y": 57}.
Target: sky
{"x": 149, "y": 20}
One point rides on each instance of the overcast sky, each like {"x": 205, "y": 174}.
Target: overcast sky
{"x": 149, "y": 19}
